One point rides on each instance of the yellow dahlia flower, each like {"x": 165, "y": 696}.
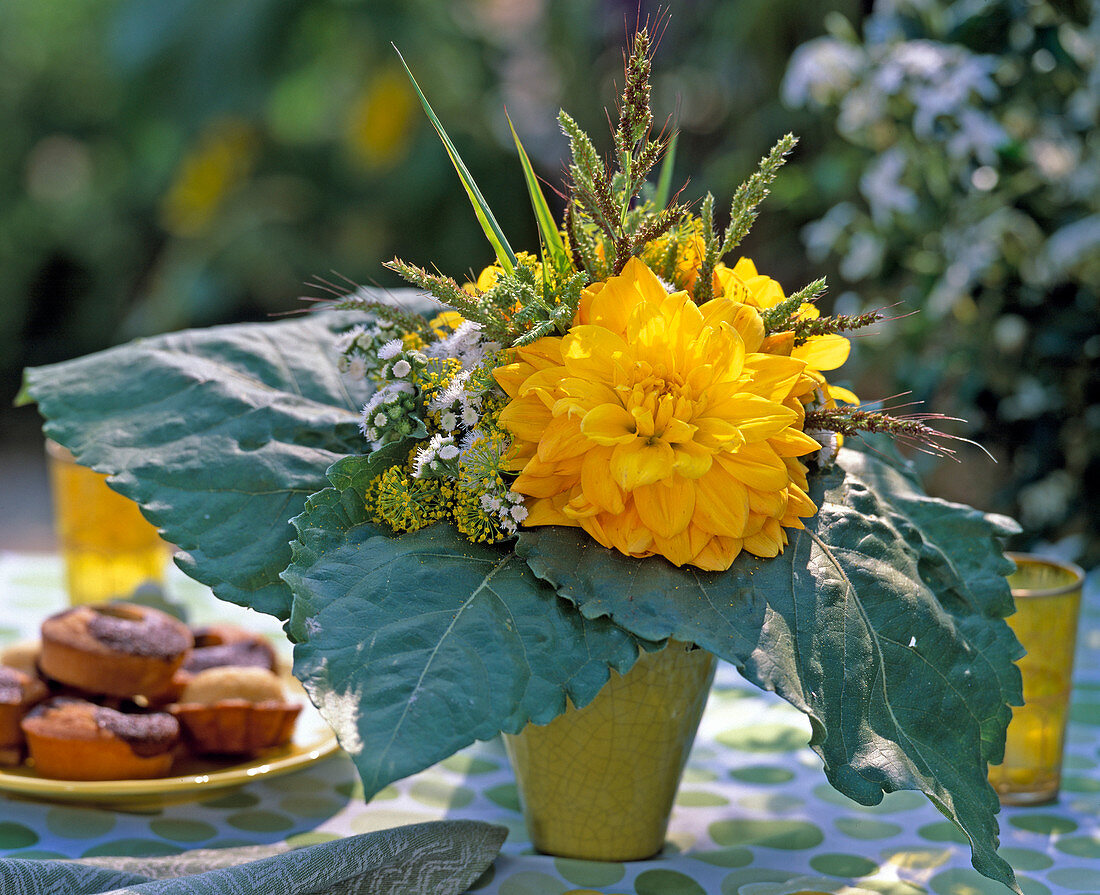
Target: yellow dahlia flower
{"x": 661, "y": 427}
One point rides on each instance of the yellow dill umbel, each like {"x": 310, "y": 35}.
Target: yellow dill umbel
{"x": 405, "y": 503}
{"x": 472, "y": 521}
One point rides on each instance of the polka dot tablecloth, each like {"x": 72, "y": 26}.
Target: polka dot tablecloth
{"x": 754, "y": 815}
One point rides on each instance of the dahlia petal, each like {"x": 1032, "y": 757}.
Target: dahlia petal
{"x": 541, "y": 485}
{"x": 793, "y": 443}
{"x": 692, "y": 460}
{"x": 767, "y": 292}
{"x": 718, "y": 554}
{"x": 757, "y": 465}
{"x": 586, "y": 393}
{"x": 562, "y": 439}
{"x": 745, "y": 268}
{"x": 589, "y": 352}
{"x": 580, "y": 507}
{"x": 643, "y": 421}
{"x": 547, "y": 511}
{"x": 780, "y": 344}
{"x": 644, "y": 280}
{"x": 750, "y": 327}
{"x": 754, "y": 525}
{"x": 730, "y": 285}
{"x": 676, "y": 431}
{"x": 728, "y": 352}
{"x": 637, "y": 464}
{"x": 716, "y": 432}
{"x": 511, "y": 376}
{"x": 542, "y": 353}
{"x": 754, "y": 417}
{"x": 768, "y": 542}
{"x": 598, "y": 484}
{"x": 721, "y": 503}
{"x": 665, "y": 507}
{"x": 772, "y": 377}
{"x": 526, "y": 418}
{"x": 677, "y": 549}
{"x": 768, "y": 503}
{"x": 627, "y": 533}
{"x": 798, "y": 502}
{"x": 838, "y": 393}
{"x": 824, "y": 352}
{"x": 584, "y": 306}
{"x": 609, "y": 424}
{"x": 719, "y": 310}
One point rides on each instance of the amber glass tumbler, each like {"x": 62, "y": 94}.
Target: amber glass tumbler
{"x": 108, "y": 546}
{"x": 1048, "y": 600}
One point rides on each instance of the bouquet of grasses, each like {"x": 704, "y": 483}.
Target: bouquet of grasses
{"x": 468, "y": 517}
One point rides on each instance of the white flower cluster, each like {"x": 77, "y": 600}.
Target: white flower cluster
{"x": 386, "y": 416}
{"x": 458, "y": 408}
{"x": 507, "y": 507}
{"x": 438, "y": 459}
{"x": 465, "y": 345}
{"x": 357, "y": 348}
{"x": 945, "y": 88}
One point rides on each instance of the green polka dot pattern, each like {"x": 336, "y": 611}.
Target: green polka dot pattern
{"x": 754, "y": 815}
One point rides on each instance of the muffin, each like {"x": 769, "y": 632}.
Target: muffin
{"x": 114, "y": 649}
{"x": 19, "y": 692}
{"x": 217, "y": 646}
{"x": 73, "y": 739}
{"x": 232, "y": 710}
{"x": 22, "y": 656}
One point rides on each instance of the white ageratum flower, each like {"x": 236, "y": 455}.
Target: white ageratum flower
{"x": 470, "y": 416}
{"x": 390, "y": 350}
{"x": 402, "y": 368}
{"x": 448, "y": 421}
{"x": 347, "y": 339}
{"x": 448, "y": 452}
{"x": 357, "y": 367}
{"x": 453, "y": 393}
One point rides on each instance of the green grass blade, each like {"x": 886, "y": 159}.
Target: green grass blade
{"x": 505, "y": 256}
{"x": 548, "y": 227}
{"x": 664, "y": 182}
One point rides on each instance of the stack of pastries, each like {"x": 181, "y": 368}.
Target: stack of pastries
{"x": 121, "y": 691}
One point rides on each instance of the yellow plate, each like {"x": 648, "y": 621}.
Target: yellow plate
{"x": 195, "y": 778}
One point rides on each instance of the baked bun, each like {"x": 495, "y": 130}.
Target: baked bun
{"x": 234, "y": 711}
{"x": 72, "y": 739}
{"x": 114, "y": 649}
{"x": 23, "y": 656}
{"x": 19, "y": 692}
{"x": 217, "y": 646}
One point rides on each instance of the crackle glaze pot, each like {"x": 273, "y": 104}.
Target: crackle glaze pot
{"x": 598, "y": 783}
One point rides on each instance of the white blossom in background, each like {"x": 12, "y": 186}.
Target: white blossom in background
{"x": 973, "y": 127}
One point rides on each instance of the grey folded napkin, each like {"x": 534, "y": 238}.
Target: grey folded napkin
{"x": 437, "y": 858}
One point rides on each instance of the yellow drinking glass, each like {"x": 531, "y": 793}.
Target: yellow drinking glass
{"x": 1048, "y": 599}
{"x": 108, "y": 546}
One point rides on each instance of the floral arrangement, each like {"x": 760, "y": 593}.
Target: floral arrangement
{"x": 469, "y": 517}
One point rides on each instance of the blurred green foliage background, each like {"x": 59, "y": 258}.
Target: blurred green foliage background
{"x": 191, "y": 162}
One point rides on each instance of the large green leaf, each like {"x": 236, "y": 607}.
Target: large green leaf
{"x": 415, "y": 646}
{"x": 220, "y": 434}
{"x": 882, "y": 621}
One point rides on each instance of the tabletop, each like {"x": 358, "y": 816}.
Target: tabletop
{"x": 754, "y": 815}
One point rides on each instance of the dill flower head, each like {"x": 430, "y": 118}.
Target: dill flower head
{"x": 661, "y": 427}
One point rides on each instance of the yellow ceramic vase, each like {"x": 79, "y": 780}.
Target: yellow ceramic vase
{"x": 598, "y": 783}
